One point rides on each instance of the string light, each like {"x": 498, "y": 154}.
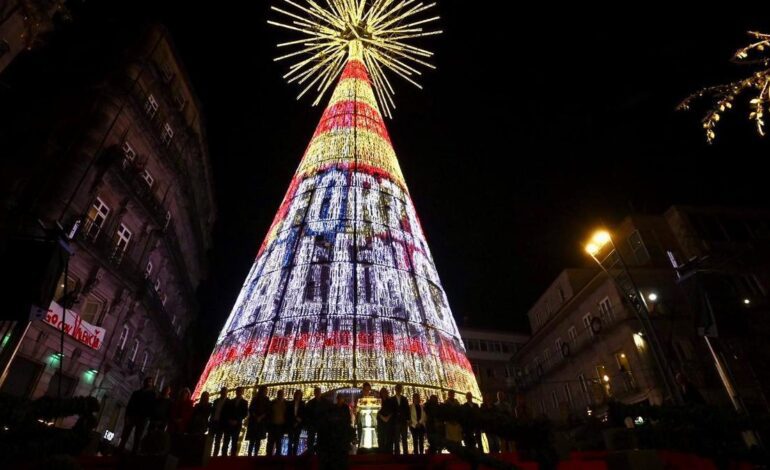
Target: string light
{"x": 379, "y": 31}
{"x": 344, "y": 289}
{"x": 726, "y": 94}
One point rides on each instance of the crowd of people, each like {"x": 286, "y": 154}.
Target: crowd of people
{"x": 433, "y": 423}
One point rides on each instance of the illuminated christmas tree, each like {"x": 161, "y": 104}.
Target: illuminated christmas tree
{"x": 344, "y": 288}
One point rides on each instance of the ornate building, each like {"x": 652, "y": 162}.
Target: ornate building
{"x": 121, "y": 167}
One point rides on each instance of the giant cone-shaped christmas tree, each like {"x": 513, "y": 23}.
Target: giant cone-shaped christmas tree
{"x": 344, "y": 288}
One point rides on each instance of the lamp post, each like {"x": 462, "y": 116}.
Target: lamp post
{"x": 612, "y": 263}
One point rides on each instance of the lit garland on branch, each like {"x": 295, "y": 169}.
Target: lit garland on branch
{"x": 725, "y": 95}
{"x": 344, "y": 289}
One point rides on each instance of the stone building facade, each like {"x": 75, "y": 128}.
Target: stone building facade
{"x": 490, "y": 353}
{"x": 587, "y": 345}
{"x": 122, "y": 170}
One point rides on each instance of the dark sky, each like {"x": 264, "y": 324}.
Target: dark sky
{"x": 537, "y": 125}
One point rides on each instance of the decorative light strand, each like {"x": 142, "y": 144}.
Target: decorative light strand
{"x": 726, "y": 94}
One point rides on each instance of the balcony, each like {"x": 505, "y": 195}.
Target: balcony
{"x": 99, "y": 245}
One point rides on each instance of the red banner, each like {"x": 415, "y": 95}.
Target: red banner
{"x": 84, "y": 332}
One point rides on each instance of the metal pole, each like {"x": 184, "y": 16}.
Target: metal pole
{"x": 18, "y": 332}
{"x": 643, "y": 315}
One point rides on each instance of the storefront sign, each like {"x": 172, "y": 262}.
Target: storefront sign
{"x": 84, "y": 332}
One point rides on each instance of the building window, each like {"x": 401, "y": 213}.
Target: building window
{"x": 92, "y": 307}
{"x": 490, "y": 372}
{"x": 546, "y": 357}
{"x": 587, "y": 324}
{"x": 148, "y": 269}
{"x": 122, "y": 239}
{"x": 151, "y": 106}
{"x": 583, "y": 384}
{"x": 129, "y": 154}
{"x": 624, "y": 367}
{"x": 561, "y": 294}
{"x": 167, "y": 135}
{"x": 483, "y": 346}
{"x": 559, "y": 350}
{"x": 168, "y": 220}
{"x": 157, "y": 285}
{"x": 568, "y": 395}
{"x": 160, "y": 384}
{"x": 71, "y": 288}
{"x": 166, "y": 72}
{"x": 173, "y": 319}
{"x": 555, "y": 399}
{"x": 134, "y": 350}
{"x": 164, "y": 299}
{"x": 572, "y": 332}
{"x": 147, "y": 177}
{"x": 179, "y": 330}
{"x": 145, "y": 357}
{"x": 476, "y": 369}
{"x": 97, "y": 216}
{"x": 604, "y": 378}
{"x": 121, "y": 346}
{"x": 605, "y": 310}
{"x": 181, "y": 101}
{"x": 637, "y": 246}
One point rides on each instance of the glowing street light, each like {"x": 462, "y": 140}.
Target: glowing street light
{"x": 746, "y": 301}
{"x": 652, "y": 296}
{"x": 598, "y": 240}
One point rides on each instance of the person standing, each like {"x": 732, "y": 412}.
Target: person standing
{"x": 162, "y": 410}
{"x": 401, "y": 418}
{"x": 314, "y": 410}
{"x": 217, "y": 425}
{"x": 366, "y": 391}
{"x": 199, "y": 422}
{"x": 504, "y": 408}
{"x": 138, "y": 412}
{"x": 296, "y": 413}
{"x": 488, "y": 409}
{"x": 433, "y": 426}
{"x": 256, "y": 429}
{"x": 384, "y": 423}
{"x": 417, "y": 420}
{"x": 470, "y": 431}
{"x": 277, "y": 426}
{"x": 180, "y": 413}
{"x": 454, "y": 432}
{"x": 234, "y": 412}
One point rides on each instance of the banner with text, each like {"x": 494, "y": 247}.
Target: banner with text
{"x": 84, "y": 332}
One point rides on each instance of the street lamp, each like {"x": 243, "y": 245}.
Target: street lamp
{"x": 614, "y": 266}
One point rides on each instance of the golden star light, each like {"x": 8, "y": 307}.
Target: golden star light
{"x": 378, "y": 32}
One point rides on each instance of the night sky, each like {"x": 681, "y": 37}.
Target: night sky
{"x": 536, "y": 127}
